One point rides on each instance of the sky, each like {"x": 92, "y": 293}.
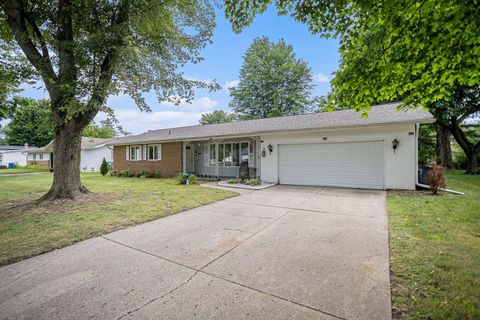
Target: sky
{"x": 222, "y": 62}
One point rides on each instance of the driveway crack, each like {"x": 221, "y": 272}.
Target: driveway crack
{"x": 158, "y": 298}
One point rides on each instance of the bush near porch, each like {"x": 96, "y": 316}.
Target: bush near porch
{"x": 435, "y": 251}
{"x": 27, "y": 230}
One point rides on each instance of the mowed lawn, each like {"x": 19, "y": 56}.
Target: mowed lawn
{"x": 435, "y": 252}
{"x": 27, "y": 230}
{"x": 26, "y": 169}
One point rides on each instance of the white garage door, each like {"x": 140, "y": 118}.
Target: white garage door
{"x": 348, "y": 164}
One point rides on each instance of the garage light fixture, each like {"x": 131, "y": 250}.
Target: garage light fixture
{"x": 270, "y": 148}
{"x": 395, "y": 144}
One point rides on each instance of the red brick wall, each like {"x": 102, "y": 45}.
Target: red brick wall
{"x": 169, "y": 166}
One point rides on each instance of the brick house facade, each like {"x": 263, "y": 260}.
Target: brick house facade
{"x": 169, "y": 165}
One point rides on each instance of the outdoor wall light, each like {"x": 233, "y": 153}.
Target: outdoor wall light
{"x": 270, "y": 148}
{"x": 395, "y": 144}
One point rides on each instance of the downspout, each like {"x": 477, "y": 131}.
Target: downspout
{"x": 417, "y": 183}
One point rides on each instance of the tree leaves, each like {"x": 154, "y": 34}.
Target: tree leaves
{"x": 273, "y": 82}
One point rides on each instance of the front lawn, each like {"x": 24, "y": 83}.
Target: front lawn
{"x": 28, "y": 230}
{"x": 435, "y": 252}
{"x": 26, "y": 169}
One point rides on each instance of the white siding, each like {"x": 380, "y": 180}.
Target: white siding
{"x": 91, "y": 159}
{"x": 17, "y": 157}
{"x": 45, "y": 156}
{"x": 399, "y": 167}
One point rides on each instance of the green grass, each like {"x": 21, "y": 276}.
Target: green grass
{"x": 121, "y": 202}
{"x": 435, "y": 252}
{"x": 26, "y": 169}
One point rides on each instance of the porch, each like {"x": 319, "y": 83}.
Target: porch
{"x": 222, "y": 158}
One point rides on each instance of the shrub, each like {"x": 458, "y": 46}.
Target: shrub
{"x": 253, "y": 182}
{"x": 113, "y": 173}
{"x": 187, "y": 177}
{"x": 234, "y": 180}
{"x": 157, "y": 175}
{"x": 181, "y": 178}
{"x": 436, "y": 178}
{"x": 192, "y": 179}
{"x": 104, "y": 167}
{"x": 139, "y": 174}
{"x": 3, "y": 166}
{"x": 124, "y": 173}
{"x": 132, "y": 174}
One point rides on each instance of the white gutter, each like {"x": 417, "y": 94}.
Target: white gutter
{"x": 421, "y": 185}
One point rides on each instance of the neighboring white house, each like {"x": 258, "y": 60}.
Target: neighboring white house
{"x": 91, "y": 156}
{"x": 15, "y": 154}
{"x": 338, "y": 149}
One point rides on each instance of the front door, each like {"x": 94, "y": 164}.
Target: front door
{"x": 189, "y": 156}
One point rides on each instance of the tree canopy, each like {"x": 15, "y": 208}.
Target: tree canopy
{"x": 83, "y": 51}
{"x": 31, "y": 123}
{"x": 414, "y": 51}
{"x": 217, "y": 116}
{"x": 273, "y": 82}
{"x": 103, "y": 130}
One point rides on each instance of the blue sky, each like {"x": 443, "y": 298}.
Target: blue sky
{"x": 222, "y": 61}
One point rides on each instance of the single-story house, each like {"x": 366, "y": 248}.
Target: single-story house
{"x": 91, "y": 156}
{"x": 339, "y": 149}
{"x": 14, "y": 154}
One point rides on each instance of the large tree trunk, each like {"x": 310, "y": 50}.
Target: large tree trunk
{"x": 472, "y": 163}
{"x": 66, "y": 165}
{"x": 444, "y": 149}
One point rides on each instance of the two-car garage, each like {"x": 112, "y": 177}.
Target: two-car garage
{"x": 357, "y": 164}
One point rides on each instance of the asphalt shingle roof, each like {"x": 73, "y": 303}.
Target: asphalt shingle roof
{"x": 378, "y": 115}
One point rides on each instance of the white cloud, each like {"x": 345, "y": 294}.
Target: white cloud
{"x": 136, "y": 121}
{"x": 231, "y": 84}
{"x": 321, "y": 78}
{"x": 200, "y": 104}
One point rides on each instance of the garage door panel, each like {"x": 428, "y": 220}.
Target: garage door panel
{"x": 350, "y": 164}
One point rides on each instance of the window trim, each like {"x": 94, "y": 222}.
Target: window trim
{"x": 231, "y": 151}
{"x": 159, "y": 153}
{"x": 132, "y": 147}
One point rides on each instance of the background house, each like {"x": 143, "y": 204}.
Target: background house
{"x": 91, "y": 156}
{"x": 15, "y": 154}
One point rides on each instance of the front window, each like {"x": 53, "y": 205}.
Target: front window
{"x": 135, "y": 153}
{"x": 229, "y": 154}
{"x": 41, "y": 156}
{"x": 34, "y": 156}
{"x": 154, "y": 152}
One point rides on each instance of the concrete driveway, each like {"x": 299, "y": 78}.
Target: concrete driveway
{"x": 281, "y": 253}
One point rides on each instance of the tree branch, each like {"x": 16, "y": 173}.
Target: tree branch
{"x": 39, "y": 35}
{"x": 67, "y": 68}
{"x": 16, "y": 17}
{"x": 107, "y": 67}
{"x": 460, "y": 136}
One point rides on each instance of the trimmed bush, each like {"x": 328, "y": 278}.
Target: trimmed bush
{"x": 253, "y": 182}
{"x": 235, "y": 180}
{"x": 124, "y": 173}
{"x": 104, "y": 167}
{"x": 187, "y": 177}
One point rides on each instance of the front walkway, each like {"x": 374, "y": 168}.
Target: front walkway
{"x": 281, "y": 253}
